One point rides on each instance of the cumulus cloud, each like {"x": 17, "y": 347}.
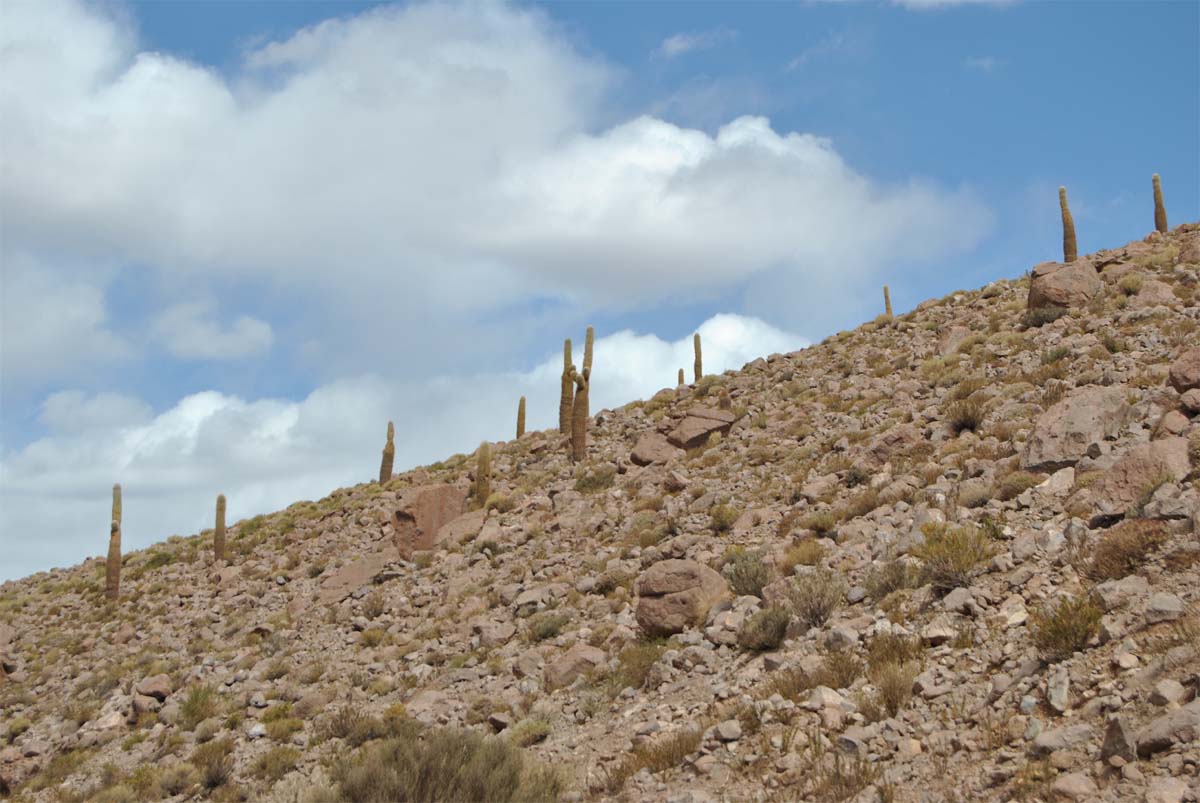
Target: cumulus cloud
{"x": 448, "y": 155}
{"x": 189, "y": 331}
{"x": 984, "y": 64}
{"x": 680, "y": 43}
{"x": 265, "y": 454}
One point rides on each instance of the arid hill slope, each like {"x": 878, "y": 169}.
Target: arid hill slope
{"x": 952, "y": 555}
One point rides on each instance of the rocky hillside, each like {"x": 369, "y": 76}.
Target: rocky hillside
{"x": 951, "y": 555}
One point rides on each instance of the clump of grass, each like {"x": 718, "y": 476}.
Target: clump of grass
{"x": 1131, "y": 284}
{"x": 660, "y": 755}
{"x": 1059, "y": 630}
{"x": 723, "y": 517}
{"x": 1015, "y": 484}
{"x": 596, "y": 480}
{"x": 746, "y": 572}
{"x": 275, "y": 763}
{"x": 765, "y": 630}
{"x": 892, "y": 575}
{"x": 1125, "y": 547}
{"x": 634, "y": 664}
{"x": 813, "y": 597}
{"x": 965, "y": 415}
{"x": 373, "y": 637}
{"x": 1040, "y": 316}
{"x": 822, "y": 524}
{"x": 214, "y": 762}
{"x": 199, "y": 704}
{"x": 529, "y": 731}
{"x": 952, "y": 555}
{"x": 1053, "y": 355}
{"x": 547, "y": 625}
{"x": 893, "y": 685}
{"x": 444, "y": 764}
{"x": 805, "y": 553}
{"x": 839, "y": 669}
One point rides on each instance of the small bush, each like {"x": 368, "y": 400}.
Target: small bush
{"x": 1124, "y": 548}
{"x": 1040, "y": 316}
{"x": 951, "y": 556}
{"x": 1059, "y": 630}
{"x": 276, "y": 763}
{"x": 600, "y": 479}
{"x": 214, "y": 762}
{"x": 374, "y": 605}
{"x": 892, "y": 575}
{"x": 1131, "y": 284}
{"x": 746, "y": 573}
{"x": 893, "y": 685}
{"x": 813, "y": 597}
{"x": 664, "y": 753}
{"x": 822, "y": 524}
{"x": 547, "y": 625}
{"x": 529, "y": 731}
{"x": 199, "y": 704}
{"x": 373, "y": 637}
{"x": 841, "y": 668}
{"x": 805, "y": 553}
{"x": 723, "y": 517}
{"x": 1053, "y": 355}
{"x": 1015, "y": 484}
{"x": 764, "y": 630}
{"x": 634, "y": 664}
{"x": 965, "y": 415}
{"x": 444, "y": 764}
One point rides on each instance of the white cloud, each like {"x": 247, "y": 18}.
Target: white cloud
{"x": 446, "y": 155}
{"x": 985, "y": 64}
{"x": 925, "y": 5}
{"x": 831, "y": 44}
{"x": 188, "y": 331}
{"x": 680, "y": 43}
{"x": 51, "y": 322}
{"x": 268, "y": 453}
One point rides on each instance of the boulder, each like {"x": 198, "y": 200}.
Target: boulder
{"x": 422, "y": 512}
{"x": 1184, "y": 373}
{"x": 460, "y": 529}
{"x": 156, "y": 686}
{"x": 355, "y": 575}
{"x": 581, "y": 659}
{"x": 1055, "y": 284}
{"x": 677, "y": 594}
{"x": 1154, "y": 294}
{"x": 1134, "y": 475}
{"x": 699, "y": 423}
{"x": 652, "y": 448}
{"x": 1177, "y": 727}
{"x": 1065, "y": 738}
{"x": 1075, "y": 427}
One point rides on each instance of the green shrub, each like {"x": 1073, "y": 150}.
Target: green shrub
{"x": 892, "y": 575}
{"x": 528, "y": 731}
{"x": 599, "y": 479}
{"x": 443, "y": 764}
{"x": 1040, "y": 316}
{"x": 1015, "y": 484}
{"x": 952, "y": 556}
{"x": 547, "y": 625}
{"x": 214, "y": 762}
{"x": 1124, "y": 548}
{"x": 276, "y": 763}
{"x": 813, "y": 597}
{"x": 805, "y": 553}
{"x": 746, "y": 573}
{"x": 965, "y": 415}
{"x": 1060, "y": 630}
{"x": 765, "y": 630}
{"x": 723, "y": 517}
{"x": 199, "y": 704}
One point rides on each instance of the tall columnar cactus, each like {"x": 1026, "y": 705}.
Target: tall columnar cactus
{"x": 698, "y": 368}
{"x": 588, "y": 342}
{"x": 116, "y": 505}
{"x": 112, "y": 564}
{"x": 887, "y": 302}
{"x": 1068, "y": 227}
{"x": 521, "y": 418}
{"x": 1160, "y": 211}
{"x": 389, "y": 455}
{"x": 568, "y": 389}
{"x": 483, "y": 474}
{"x": 579, "y": 415}
{"x": 219, "y": 531}
{"x": 680, "y": 381}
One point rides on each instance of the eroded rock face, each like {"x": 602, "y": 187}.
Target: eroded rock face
{"x": 1075, "y": 427}
{"x": 421, "y": 512}
{"x": 1184, "y": 373}
{"x": 354, "y": 576}
{"x": 1135, "y": 474}
{"x": 677, "y": 594}
{"x": 1179, "y": 726}
{"x": 581, "y": 659}
{"x": 1056, "y": 284}
{"x": 653, "y": 447}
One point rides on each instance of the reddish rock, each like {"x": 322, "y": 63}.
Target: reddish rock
{"x": 677, "y": 594}
{"x": 1154, "y": 294}
{"x": 355, "y": 575}
{"x": 653, "y": 448}
{"x": 458, "y": 530}
{"x": 1136, "y": 473}
{"x": 156, "y": 686}
{"x": 1055, "y": 284}
{"x": 1173, "y": 422}
{"x": 581, "y": 659}
{"x": 1075, "y": 427}
{"x": 1185, "y": 371}
{"x": 699, "y": 423}
{"x": 421, "y": 512}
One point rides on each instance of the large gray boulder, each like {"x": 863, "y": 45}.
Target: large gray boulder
{"x": 1178, "y": 727}
{"x": 677, "y": 594}
{"x": 1055, "y": 284}
{"x": 1135, "y": 475}
{"x": 1184, "y": 373}
{"x": 1075, "y": 427}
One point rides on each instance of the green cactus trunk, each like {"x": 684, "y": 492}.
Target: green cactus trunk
{"x": 1068, "y": 224}
{"x": 116, "y": 503}
{"x": 112, "y": 564}
{"x": 389, "y": 455}
{"x": 698, "y": 368}
{"x": 568, "y": 389}
{"x": 483, "y": 474}
{"x": 1160, "y": 211}
{"x": 219, "y": 531}
{"x": 680, "y": 380}
{"x": 579, "y": 417}
{"x": 521, "y": 418}
{"x": 588, "y": 342}
{"x": 887, "y": 302}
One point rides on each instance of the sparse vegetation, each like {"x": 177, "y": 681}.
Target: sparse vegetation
{"x": 952, "y": 555}
{"x": 1061, "y": 629}
{"x": 1124, "y": 548}
{"x": 746, "y": 572}
{"x": 765, "y": 630}
{"x": 814, "y": 596}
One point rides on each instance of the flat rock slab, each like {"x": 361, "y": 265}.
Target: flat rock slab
{"x": 421, "y": 512}
{"x": 1178, "y": 727}
{"x": 354, "y": 575}
{"x": 699, "y": 423}
{"x": 1136, "y": 473}
{"x": 1075, "y": 427}
{"x": 652, "y": 448}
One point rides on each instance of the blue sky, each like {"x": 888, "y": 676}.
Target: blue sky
{"x": 240, "y": 237}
